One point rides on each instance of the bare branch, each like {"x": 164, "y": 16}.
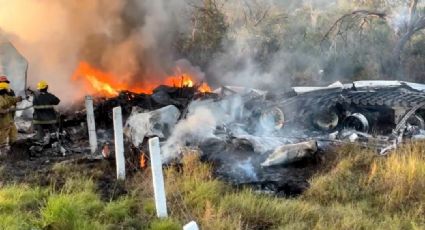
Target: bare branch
{"x": 355, "y": 15}
{"x": 264, "y": 15}
{"x": 412, "y": 11}
{"x": 420, "y": 24}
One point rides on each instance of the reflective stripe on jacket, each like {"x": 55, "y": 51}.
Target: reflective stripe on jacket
{"x": 51, "y": 122}
{"x": 43, "y": 106}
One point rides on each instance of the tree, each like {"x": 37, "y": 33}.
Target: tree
{"x": 207, "y": 31}
{"x": 415, "y": 23}
{"x": 405, "y": 28}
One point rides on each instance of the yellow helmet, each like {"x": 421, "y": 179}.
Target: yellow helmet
{"x": 42, "y": 85}
{"x": 4, "y": 85}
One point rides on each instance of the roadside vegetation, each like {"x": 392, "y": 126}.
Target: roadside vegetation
{"x": 356, "y": 190}
{"x": 306, "y": 42}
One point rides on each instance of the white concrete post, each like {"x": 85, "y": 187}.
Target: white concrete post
{"x": 91, "y": 125}
{"x": 119, "y": 143}
{"x": 191, "y": 226}
{"x": 158, "y": 178}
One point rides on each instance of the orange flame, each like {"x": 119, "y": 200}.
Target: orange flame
{"x": 101, "y": 86}
{"x": 143, "y": 161}
{"x": 179, "y": 81}
{"x": 204, "y": 88}
{"x": 101, "y": 83}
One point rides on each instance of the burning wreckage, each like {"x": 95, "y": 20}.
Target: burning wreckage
{"x": 273, "y": 141}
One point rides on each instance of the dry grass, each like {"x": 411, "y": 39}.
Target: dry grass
{"x": 358, "y": 190}
{"x": 389, "y": 190}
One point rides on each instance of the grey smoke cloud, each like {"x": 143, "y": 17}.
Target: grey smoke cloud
{"x": 135, "y": 40}
{"x": 131, "y": 39}
{"x": 274, "y": 44}
{"x": 256, "y": 29}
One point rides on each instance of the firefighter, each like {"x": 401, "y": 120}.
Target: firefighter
{"x": 4, "y": 79}
{"x": 44, "y": 117}
{"x": 7, "y": 104}
{"x": 13, "y": 135}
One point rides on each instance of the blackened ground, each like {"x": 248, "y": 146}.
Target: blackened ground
{"x": 289, "y": 180}
{"x": 47, "y": 170}
{"x": 237, "y": 163}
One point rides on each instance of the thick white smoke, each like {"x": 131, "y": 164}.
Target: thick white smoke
{"x": 203, "y": 119}
{"x": 200, "y": 124}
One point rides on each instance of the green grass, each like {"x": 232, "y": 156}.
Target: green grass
{"x": 76, "y": 206}
{"x": 355, "y": 190}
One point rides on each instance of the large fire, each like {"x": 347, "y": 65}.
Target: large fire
{"x": 98, "y": 82}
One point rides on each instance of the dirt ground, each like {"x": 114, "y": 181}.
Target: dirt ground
{"x": 47, "y": 170}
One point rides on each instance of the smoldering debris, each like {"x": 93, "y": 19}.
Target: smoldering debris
{"x": 271, "y": 139}
{"x": 246, "y": 149}
{"x": 286, "y": 154}
{"x": 158, "y": 123}
{"x": 139, "y": 110}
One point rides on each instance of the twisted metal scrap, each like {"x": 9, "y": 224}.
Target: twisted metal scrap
{"x": 399, "y": 130}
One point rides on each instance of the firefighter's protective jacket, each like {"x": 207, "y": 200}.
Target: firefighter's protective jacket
{"x": 11, "y": 93}
{"x": 44, "y": 111}
{"x": 6, "y": 102}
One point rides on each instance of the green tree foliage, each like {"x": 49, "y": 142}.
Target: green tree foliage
{"x": 206, "y": 34}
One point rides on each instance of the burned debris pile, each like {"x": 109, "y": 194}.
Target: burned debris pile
{"x": 271, "y": 140}
{"x": 162, "y": 96}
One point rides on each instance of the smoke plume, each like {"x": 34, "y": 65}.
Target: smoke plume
{"x": 130, "y": 39}
{"x": 254, "y": 54}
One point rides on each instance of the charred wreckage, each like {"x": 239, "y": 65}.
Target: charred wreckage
{"x": 273, "y": 141}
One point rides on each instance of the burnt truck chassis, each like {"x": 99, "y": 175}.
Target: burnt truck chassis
{"x": 376, "y": 110}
